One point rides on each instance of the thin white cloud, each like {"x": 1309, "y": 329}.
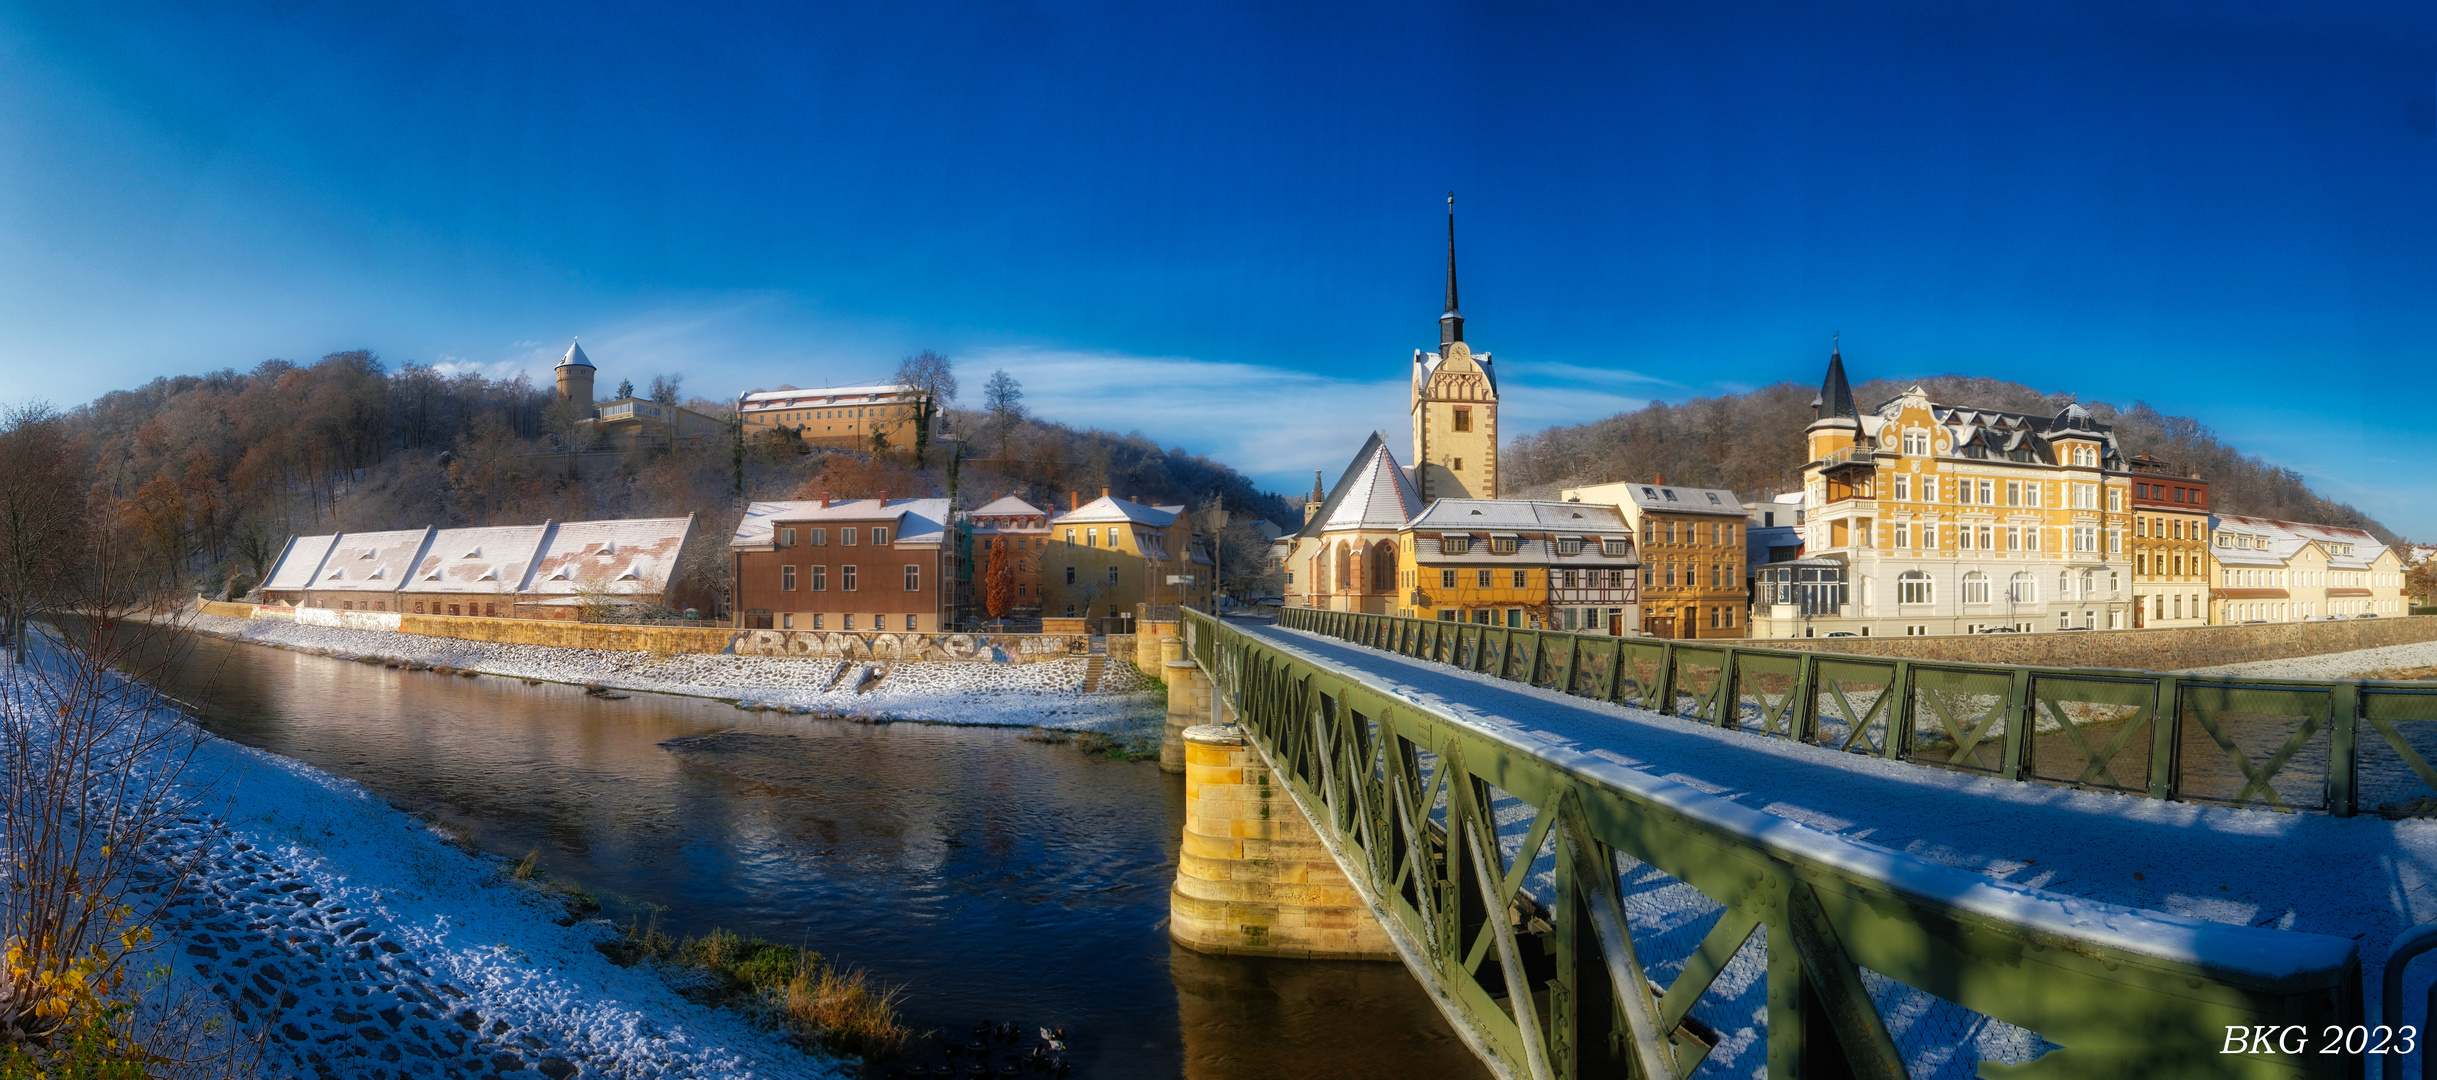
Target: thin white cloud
{"x": 1545, "y": 371}
{"x": 1264, "y": 421}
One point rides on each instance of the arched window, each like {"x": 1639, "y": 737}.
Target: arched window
{"x": 1383, "y": 566}
{"x": 2064, "y": 585}
{"x": 2022, "y": 588}
{"x": 1914, "y": 587}
{"x": 1975, "y": 588}
{"x": 1346, "y": 581}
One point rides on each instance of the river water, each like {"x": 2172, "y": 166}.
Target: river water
{"x": 993, "y": 877}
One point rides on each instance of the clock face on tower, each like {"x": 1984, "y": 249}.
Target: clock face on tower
{"x": 1459, "y": 351}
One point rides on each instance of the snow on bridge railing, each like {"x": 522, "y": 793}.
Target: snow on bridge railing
{"x": 1512, "y": 870}
{"x": 2341, "y": 747}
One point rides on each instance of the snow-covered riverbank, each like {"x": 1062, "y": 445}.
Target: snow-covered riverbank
{"x": 2344, "y": 665}
{"x": 357, "y": 941}
{"x": 1047, "y": 694}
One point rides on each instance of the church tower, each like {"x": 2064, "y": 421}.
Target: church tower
{"x": 575, "y": 376}
{"x": 1455, "y": 407}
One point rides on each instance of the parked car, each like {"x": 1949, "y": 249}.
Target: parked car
{"x": 1842, "y": 633}
{"x": 2368, "y": 615}
{"x": 1999, "y": 630}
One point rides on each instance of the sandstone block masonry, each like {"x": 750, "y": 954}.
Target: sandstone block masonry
{"x": 1252, "y": 877}
{"x": 670, "y": 640}
{"x": 2175, "y": 649}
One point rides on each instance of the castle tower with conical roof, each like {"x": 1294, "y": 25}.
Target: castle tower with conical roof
{"x": 575, "y": 376}
{"x": 1455, "y": 407}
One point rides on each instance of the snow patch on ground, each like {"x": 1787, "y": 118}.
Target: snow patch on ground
{"x": 360, "y": 943}
{"x": 1047, "y": 694}
{"x": 2343, "y": 665}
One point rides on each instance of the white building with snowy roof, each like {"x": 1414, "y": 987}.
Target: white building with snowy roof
{"x": 2267, "y": 570}
{"x": 551, "y": 570}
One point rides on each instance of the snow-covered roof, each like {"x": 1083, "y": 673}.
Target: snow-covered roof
{"x": 575, "y": 357}
{"x": 1374, "y": 493}
{"x": 1684, "y": 500}
{"x": 1112, "y": 508}
{"x": 2347, "y": 549}
{"x": 1009, "y": 506}
{"x": 635, "y": 556}
{"x": 827, "y": 395}
{"x": 370, "y": 562}
{"x": 918, "y": 521}
{"x": 493, "y": 559}
{"x": 1596, "y": 520}
{"x": 296, "y": 565}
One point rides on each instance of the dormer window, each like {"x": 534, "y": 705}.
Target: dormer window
{"x": 1647, "y": 493}
{"x": 1502, "y": 545}
{"x": 1614, "y": 549}
{"x": 1670, "y": 494}
{"x": 1916, "y": 443}
{"x": 1571, "y": 545}
{"x": 1454, "y": 545}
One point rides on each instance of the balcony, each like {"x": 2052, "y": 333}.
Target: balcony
{"x": 1857, "y": 456}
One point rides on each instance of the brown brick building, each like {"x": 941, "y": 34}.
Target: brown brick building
{"x": 861, "y": 565}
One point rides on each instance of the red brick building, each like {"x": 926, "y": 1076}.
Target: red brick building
{"x": 860, "y": 565}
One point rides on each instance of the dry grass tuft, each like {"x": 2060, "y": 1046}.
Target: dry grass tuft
{"x": 2401, "y": 673}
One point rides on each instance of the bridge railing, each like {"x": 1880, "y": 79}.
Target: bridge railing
{"x": 2339, "y": 747}
{"x": 1525, "y": 937}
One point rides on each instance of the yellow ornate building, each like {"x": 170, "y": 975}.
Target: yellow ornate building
{"x": 842, "y": 417}
{"x": 1950, "y": 519}
{"x": 1454, "y": 406}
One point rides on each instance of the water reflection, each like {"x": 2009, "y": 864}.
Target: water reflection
{"x": 996, "y": 878}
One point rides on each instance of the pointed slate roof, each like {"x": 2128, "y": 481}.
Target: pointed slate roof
{"x": 575, "y": 357}
{"x": 1374, "y": 493}
{"x": 1835, "y": 399}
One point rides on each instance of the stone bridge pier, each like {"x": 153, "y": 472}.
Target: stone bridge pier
{"x": 1252, "y": 877}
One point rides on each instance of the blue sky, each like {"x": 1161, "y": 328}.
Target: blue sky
{"x": 1221, "y": 225}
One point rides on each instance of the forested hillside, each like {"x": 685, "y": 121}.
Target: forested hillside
{"x": 210, "y": 474}
{"x": 1753, "y": 444}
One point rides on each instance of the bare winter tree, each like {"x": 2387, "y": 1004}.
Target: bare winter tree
{"x": 935, "y": 377}
{"x": 41, "y": 516}
{"x": 664, "y": 394}
{"x": 1004, "y": 398}
{"x": 94, "y": 773}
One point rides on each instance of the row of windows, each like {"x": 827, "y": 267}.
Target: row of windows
{"x": 836, "y": 414}
{"x": 818, "y": 621}
{"x": 2196, "y": 496}
{"x": 2161, "y": 604}
{"x": 816, "y": 578}
{"x": 1663, "y": 574}
{"x": 820, "y": 537}
{"x": 2141, "y": 564}
{"x": 1559, "y": 579}
{"x": 488, "y": 611}
{"x": 1112, "y": 575}
{"x": 2165, "y": 528}
{"x": 1915, "y": 587}
{"x": 1663, "y": 532}
{"x": 1507, "y": 545}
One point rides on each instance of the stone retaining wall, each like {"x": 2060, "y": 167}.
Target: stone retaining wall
{"x": 2172, "y": 649}
{"x": 997, "y": 648}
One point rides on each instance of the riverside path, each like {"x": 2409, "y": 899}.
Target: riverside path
{"x": 1943, "y": 919}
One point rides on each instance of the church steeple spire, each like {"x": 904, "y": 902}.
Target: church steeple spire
{"x": 1451, "y": 324}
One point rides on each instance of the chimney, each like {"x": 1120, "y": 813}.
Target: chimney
{"x": 1662, "y": 479}
{"x": 824, "y": 500}
{"x": 1074, "y": 500}
{"x": 884, "y": 500}
{"x": 1104, "y": 493}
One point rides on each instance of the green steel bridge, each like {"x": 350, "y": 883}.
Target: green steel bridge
{"x": 1541, "y": 890}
